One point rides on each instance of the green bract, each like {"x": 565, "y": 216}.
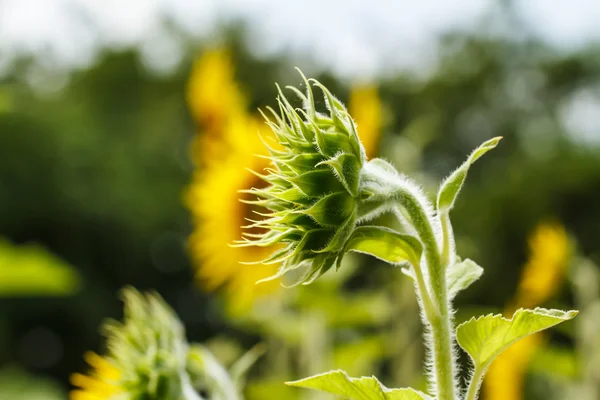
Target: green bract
{"x": 313, "y": 187}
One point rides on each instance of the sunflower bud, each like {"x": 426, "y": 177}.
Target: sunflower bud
{"x": 312, "y": 189}
{"x": 149, "y": 358}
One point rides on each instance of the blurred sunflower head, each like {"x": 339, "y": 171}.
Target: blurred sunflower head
{"x": 101, "y": 383}
{"x": 541, "y": 279}
{"x": 548, "y": 261}
{"x": 312, "y": 188}
{"x": 146, "y": 359}
{"x": 213, "y": 199}
{"x": 366, "y": 109}
{"x": 505, "y": 378}
{"x": 212, "y": 91}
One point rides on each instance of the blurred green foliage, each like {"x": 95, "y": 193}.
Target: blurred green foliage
{"x": 17, "y": 385}
{"x": 32, "y": 271}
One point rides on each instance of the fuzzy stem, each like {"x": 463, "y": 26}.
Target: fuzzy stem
{"x": 441, "y": 324}
{"x": 429, "y": 306}
{"x": 474, "y": 385}
{"x": 447, "y": 247}
{"x": 390, "y": 188}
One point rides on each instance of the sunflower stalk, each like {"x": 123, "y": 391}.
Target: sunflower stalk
{"x": 322, "y": 192}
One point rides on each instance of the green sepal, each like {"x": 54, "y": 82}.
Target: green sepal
{"x": 332, "y": 143}
{"x": 315, "y": 240}
{"x": 364, "y": 388}
{"x": 301, "y": 163}
{"x": 484, "y": 338}
{"x": 384, "y": 244}
{"x": 332, "y": 210}
{"x": 319, "y": 265}
{"x": 347, "y": 169}
{"x": 335, "y": 107}
{"x": 339, "y": 239}
{"x": 293, "y": 195}
{"x": 271, "y": 237}
{"x": 461, "y": 275}
{"x": 300, "y": 220}
{"x": 317, "y": 182}
{"x": 451, "y": 186}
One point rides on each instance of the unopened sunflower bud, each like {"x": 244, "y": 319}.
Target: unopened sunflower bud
{"x": 148, "y": 358}
{"x": 313, "y": 187}
{"x": 148, "y": 348}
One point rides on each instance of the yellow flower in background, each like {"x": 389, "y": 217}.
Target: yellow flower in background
{"x": 365, "y": 108}
{"x": 212, "y": 92}
{"x": 542, "y": 277}
{"x": 544, "y": 273}
{"x": 223, "y": 150}
{"x": 216, "y": 102}
{"x": 100, "y": 384}
{"x": 218, "y": 215}
{"x": 506, "y": 377}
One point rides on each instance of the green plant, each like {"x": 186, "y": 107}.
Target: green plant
{"x": 321, "y": 193}
{"x": 148, "y": 357}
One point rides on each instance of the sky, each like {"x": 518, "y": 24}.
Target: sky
{"x": 354, "y": 38}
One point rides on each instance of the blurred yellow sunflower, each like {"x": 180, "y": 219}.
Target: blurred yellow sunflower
{"x": 214, "y": 201}
{"x": 214, "y": 98}
{"x": 212, "y": 91}
{"x": 544, "y": 272}
{"x": 366, "y": 109}
{"x": 100, "y": 384}
{"x": 542, "y": 277}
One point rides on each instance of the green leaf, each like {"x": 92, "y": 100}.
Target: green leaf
{"x": 385, "y": 244}
{"x": 452, "y": 185}
{"x": 462, "y": 275}
{"x": 486, "y": 337}
{"x": 365, "y": 388}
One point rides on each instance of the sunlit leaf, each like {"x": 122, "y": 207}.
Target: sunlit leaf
{"x": 452, "y": 184}
{"x": 486, "y": 337}
{"x": 385, "y": 244}
{"x": 365, "y": 388}
{"x": 462, "y": 275}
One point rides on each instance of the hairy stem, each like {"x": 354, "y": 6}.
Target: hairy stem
{"x": 429, "y": 306}
{"x": 474, "y": 385}
{"x": 447, "y": 238}
{"x": 440, "y": 322}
